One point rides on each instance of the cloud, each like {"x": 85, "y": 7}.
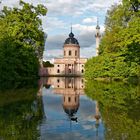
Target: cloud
{"x": 85, "y": 35}
{"x": 55, "y": 42}
{"x": 56, "y": 24}
{"x": 61, "y": 7}
{"x": 90, "y": 20}
{"x": 52, "y": 23}
{"x": 86, "y": 28}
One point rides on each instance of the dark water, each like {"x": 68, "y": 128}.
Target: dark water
{"x": 69, "y": 109}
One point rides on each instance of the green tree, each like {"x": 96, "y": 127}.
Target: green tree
{"x": 119, "y": 53}
{"x": 24, "y": 25}
{"x": 21, "y": 43}
{"x": 47, "y": 64}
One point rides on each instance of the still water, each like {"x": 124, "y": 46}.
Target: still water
{"x": 70, "y": 109}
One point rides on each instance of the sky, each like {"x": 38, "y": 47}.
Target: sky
{"x": 82, "y": 14}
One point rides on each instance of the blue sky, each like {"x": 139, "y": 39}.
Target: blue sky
{"x": 61, "y": 13}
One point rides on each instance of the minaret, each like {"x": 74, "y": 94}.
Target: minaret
{"x": 97, "y": 36}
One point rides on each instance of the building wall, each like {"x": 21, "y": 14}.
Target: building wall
{"x": 67, "y": 66}
{"x": 71, "y": 51}
{"x": 59, "y": 69}
{"x": 46, "y": 71}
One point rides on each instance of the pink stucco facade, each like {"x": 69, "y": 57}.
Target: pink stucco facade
{"x": 71, "y": 64}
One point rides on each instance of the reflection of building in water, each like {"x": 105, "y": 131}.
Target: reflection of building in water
{"x": 97, "y": 117}
{"x": 67, "y": 85}
{"x": 71, "y": 104}
{"x": 71, "y": 89}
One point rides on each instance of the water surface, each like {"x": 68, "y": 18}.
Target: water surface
{"x": 67, "y": 108}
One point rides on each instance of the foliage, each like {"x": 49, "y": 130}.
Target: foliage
{"x": 47, "y": 64}
{"x": 17, "y": 64}
{"x": 21, "y": 43}
{"x": 119, "y": 52}
{"x": 109, "y": 65}
{"x": 118, "y": 104}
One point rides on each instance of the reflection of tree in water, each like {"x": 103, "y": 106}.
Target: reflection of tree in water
{"x": 20, "y": 114}
{"x": 119, "y": 106}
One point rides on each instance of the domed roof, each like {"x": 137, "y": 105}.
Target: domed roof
{"x": 70, "y": 112}
{"x": 71, "y": 40}
{"x": 97, "y": 27}
{"x": 70, "y": 109}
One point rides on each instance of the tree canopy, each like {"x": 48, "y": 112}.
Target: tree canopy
{"x": 119, "y": 50}
{"x": 47, "y": 64}
{"x": 21, "y": 42}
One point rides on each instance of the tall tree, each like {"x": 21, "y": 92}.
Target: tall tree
{"x": 120, "y": 46}
{"x": 21, "y": 42}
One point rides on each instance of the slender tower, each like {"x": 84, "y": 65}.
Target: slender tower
{"x": 97, "y": 36}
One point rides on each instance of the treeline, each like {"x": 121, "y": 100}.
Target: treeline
{"x": 119, "y": 51}
{"x": 21, "y": 43}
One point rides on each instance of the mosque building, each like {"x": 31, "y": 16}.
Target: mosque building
{"x": 71, "y": 64}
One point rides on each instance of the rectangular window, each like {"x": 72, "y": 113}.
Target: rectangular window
{"x": 69, "y": 99}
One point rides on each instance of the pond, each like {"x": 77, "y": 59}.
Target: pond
{"x": 68, "y": 108}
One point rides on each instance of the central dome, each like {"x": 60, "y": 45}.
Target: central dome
{"x": 71, "y": 40}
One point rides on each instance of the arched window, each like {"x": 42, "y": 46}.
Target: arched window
{"x": 58, "y": 71}
{"x": 69, "y": 53}
{"x": 82, "y": 71}
{"x": 69, "y": 70}
{"x": 58, "y": 80}
{"x": 75, "y": 53}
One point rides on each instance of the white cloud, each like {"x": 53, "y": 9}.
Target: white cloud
{"x": 88, "y": 52}
{"x": 90, "y": 20}
{"x": 49, "y": 55}
{"x": 86, "y": 28}
{"x": 60, "y": 13}
{"x": 51, "y": 23}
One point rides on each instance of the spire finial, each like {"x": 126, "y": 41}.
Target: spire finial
{"x": 97, "y": 21}
{"x": 71, "y": 35}
{"x": 71, "y": 27}
{"x": 97, "y": 27}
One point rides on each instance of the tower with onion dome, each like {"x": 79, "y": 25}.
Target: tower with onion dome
{"x": 71, "y": 47}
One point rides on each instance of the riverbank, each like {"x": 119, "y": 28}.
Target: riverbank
{"x": 133, "y": 80}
